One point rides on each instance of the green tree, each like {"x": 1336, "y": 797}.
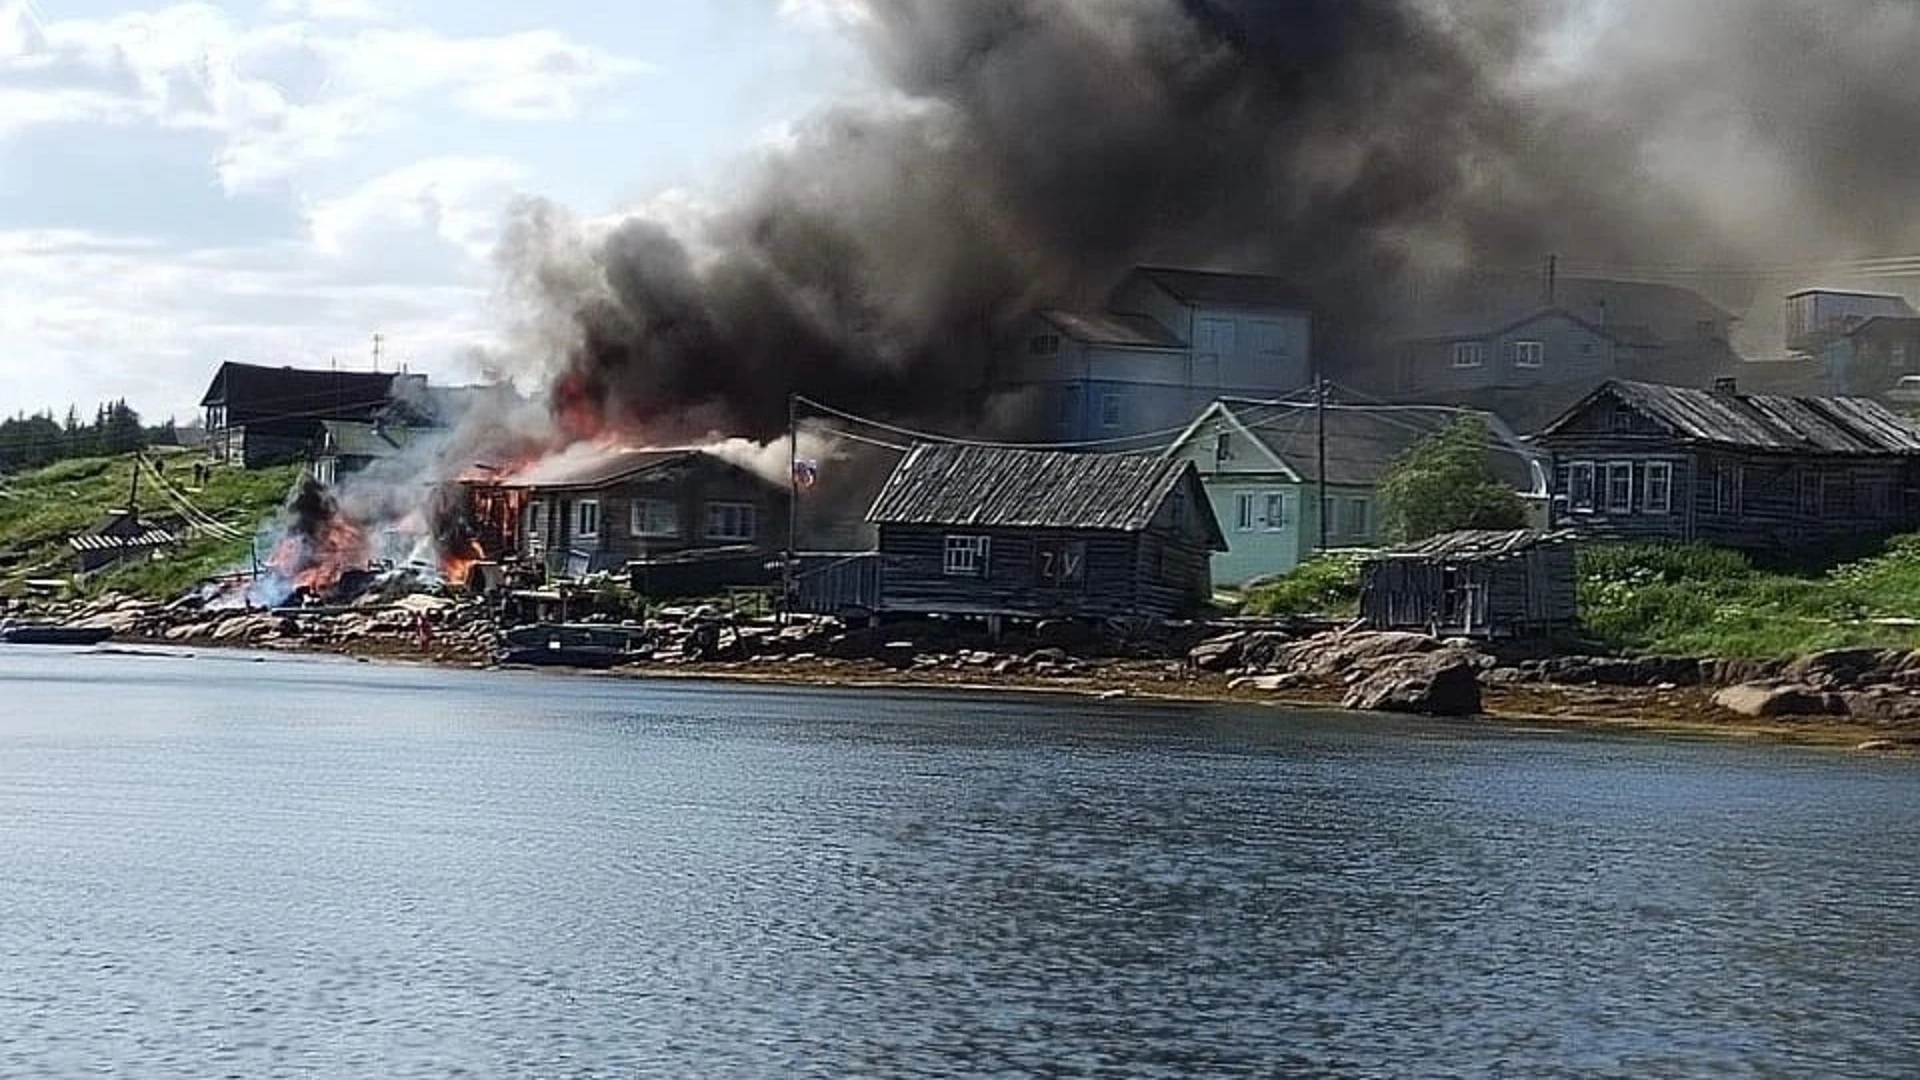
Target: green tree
{"x": 1444, "y": 482}
{"x": 120, "y": 429}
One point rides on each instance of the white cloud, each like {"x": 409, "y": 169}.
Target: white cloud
{"x": 455, "y": 200}
{"x": 832, "y": 14}
{"x": 289, "y": 92}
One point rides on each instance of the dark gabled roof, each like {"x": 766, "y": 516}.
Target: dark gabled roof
{"x": 997, "y": 487}
{"x": 1217, "y": 287}
{"x": 586, "y": 466}
{"x": 1362, "y": 440}
{"x": 252, "y": 393}
{"x": 1906, "y": 325}
{"x": 1111, "y": 328}
{"x": 1633, "y": 312}
{"x": 1830, "y": 425}
{"x": 358, "y": 438}
{"x": 1857, "y": 293}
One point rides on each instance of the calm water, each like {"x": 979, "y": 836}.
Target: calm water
{"x": 220, "y": 867}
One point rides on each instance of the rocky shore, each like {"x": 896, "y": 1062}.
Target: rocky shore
{"x": 1856, "y": 697}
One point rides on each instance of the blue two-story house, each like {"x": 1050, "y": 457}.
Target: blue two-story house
{"x": 1167, "y": 344}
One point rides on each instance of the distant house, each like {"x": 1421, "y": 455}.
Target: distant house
{"x": 119, "y": 536}
{"x": 1815, "y": 318}
{"x": 1002, "y": 533}
{"x": 588, "y": 511}
{"x": 349, "y": 446}
{"x": 258, "y": 415}
{"x": 1871, "y": 357}
{"x": 1260, "y": 464}
{"x": 1752, "y": 471}
{"x": 1480, "y": 584}
{"x": 1167, "y": 342}
{"x": 1503, "y": 345}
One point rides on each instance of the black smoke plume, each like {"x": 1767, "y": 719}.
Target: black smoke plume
{"x": 1032, "y": 150}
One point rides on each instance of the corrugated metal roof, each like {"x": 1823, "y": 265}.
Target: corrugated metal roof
{"x": 1835, "y": 425}
{"x": 149, "y": 539}
{"x": 354, "y": 438}
{"x": 1362, "y": 440}
{"x": 944, "y": 484}
{"x": 1110, "y": 328}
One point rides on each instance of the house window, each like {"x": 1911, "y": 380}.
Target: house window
{"x": 1621, "y": 419}
{"x": 966, "y": 556}
{"x": 1223, "y": 447}
{"x": 1355, "y": 522}
{"x": 1529, "y": 354}
{"x": 1110, "y": 410}
{"x": 1656, "y": 496}
{"x": 1580, "y": 487}
{"x": 655, "y": 517}
{"x": 586, "y": 519}
{"x": 537, "y": 523}
{"x": 1726, "y": 488}
{"x": 1275, "y": 518}
{"x": 1246, "y": 512}
{"x": 216, "y": 417}
{"x": 1811, "y": 493}
{"x": 1469, "y": 354}
{"x": 731, "y": 521}
{"x": 1619, "y": 487}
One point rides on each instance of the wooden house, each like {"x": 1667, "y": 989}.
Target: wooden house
{"x": 257, "y": 415}
{"x": 589, "y": 510}
{"x": 1480, "y": 584}
{"x": 1756, "y": 472}
{"x": 993, "y": 532}
{"x": 119, "y": 536}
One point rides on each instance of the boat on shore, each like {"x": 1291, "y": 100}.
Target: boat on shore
{"x": 569, "y": 645}
{"x": 51, "y": 634}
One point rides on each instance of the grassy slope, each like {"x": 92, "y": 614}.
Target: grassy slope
{"x": 1689, "y": 600}
{"x": 40, "y": 509}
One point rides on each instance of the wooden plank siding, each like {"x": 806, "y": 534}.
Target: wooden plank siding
{"x": 1525, "y": 593}
{"x": 914, "y": 577}
{"x": 690, "y": 488}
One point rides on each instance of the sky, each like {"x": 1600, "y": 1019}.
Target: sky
{"x": 276, "y": 181}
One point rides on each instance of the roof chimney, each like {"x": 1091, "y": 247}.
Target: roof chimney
{"x": 1725, "y": 384}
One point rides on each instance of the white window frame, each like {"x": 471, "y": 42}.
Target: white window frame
{"x": 583, "y": 509}
{"x": 966, "y": 556}
{"x": 1245, "y": 504}
{"x": 1529, "y": 354}
{"x": 1614, "y": 471}
{"x": 1574, "y": 469}
{"x": 1112, "y": 410}
{"x": 1469, "y": 354}
{"x": 653, "y": 519}
{"x": 1664, "y": 504}
{"x": 737, "y": 521}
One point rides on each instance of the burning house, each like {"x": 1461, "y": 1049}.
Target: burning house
{"x": 591, "y": 509}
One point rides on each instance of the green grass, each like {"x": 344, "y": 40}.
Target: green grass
{"x": 1327, "y": 584}
{"x": 41, "y": 508}
{"x": 1688, "y": 600}
{"x": 1692, "y": 600}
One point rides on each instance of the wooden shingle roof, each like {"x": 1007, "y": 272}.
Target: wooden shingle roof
{"x": 1827, "y": 425}
{"x": 988, "y": 487}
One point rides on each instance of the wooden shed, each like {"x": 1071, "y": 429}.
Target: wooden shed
{"x": 998, "y": 532}
{"x": 1476, "y": 583}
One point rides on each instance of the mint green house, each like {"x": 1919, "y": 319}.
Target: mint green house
{"x": 1260, "y": 464}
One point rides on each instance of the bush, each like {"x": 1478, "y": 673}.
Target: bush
{"x": 1443, "y": 483}
{"x": 1326, "y": 584}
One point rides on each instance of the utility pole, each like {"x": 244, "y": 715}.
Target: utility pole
{"x": 793, "y": 502}
{"x": 1553, "y": 280}
{"x": 133, "y": 492}
{"x": 378, "y": 340}
{"x": 1320, "y": 421}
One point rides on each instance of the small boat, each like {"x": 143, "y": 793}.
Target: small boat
{"x": 46, "y": 634}
{"x": 563, "y": 645}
